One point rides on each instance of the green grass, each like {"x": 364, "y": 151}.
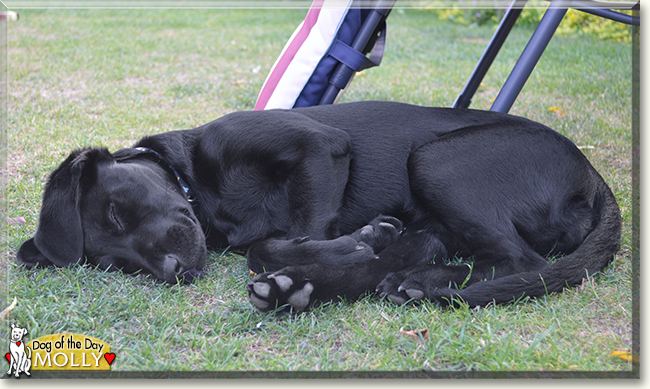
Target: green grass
{"x": 108, "y": 77}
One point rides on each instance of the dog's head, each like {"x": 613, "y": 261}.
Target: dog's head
{"x": 119, "y": 211}
{"x": 17, "y": 333}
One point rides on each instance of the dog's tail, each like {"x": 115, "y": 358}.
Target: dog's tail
{"x": 595, "y": 252}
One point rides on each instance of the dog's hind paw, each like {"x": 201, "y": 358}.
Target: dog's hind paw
{"x": 269, "y": 291}
{"x": 380, "y": 232}
{"x": 399, "y": 289}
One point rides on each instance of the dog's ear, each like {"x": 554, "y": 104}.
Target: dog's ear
{"x": 29, "y": 255}
{"x": 59, "y": 237}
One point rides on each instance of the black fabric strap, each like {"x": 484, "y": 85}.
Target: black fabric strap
{"x": 189, "y": 194}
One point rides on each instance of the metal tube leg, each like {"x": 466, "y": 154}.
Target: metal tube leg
{"x": 509, "y": 19}
{"x": 343, "y": 74}
{"x": 530, "y": 56}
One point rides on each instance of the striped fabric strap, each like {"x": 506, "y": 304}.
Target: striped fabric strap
{"x": 310, "y": 42}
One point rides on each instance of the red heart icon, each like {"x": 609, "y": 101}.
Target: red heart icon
{"x": 109, "y": 358}
{"x": 17, "y": 343}
{"x": 8, "y": 356}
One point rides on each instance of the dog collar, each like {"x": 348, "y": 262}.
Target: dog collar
{"x": 189, "y": 194}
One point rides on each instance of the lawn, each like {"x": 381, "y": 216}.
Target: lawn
{"x": 108, "y": 77}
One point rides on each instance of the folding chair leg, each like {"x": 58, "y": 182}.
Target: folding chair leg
{"x": 530, "y": 56}
{"x": 464, "y": 99}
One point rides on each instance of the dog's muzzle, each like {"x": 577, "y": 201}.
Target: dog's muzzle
{"x": 191, "y": 275}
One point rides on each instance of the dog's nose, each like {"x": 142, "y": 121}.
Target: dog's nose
{"x": 178, "y": 269}
{"x": 179, "y": 272}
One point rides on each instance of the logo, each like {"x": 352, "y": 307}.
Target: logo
{"x": 19, "y": 354}
{"x": 63, "y": 351}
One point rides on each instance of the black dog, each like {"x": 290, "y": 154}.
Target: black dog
{"x": 338, "y": 200}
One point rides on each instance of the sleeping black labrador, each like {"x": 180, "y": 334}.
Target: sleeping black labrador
{"x": 338, "y": 200}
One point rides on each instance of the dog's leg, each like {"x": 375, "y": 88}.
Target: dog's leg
{"x": 20, "y": 364}
{"x": 439, "y": 281}
{"x": 275, "y": 254}
{"x": 13, "y": 364}
{"x": 25, "y": 363}
{"x": 28, "y": 365}
{"x": 300, "y": 286}
{"x": 419, "y": 282}
{"x": 17, "y": 368}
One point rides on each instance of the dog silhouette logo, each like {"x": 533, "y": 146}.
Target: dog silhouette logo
{"x": 19, "y": 355}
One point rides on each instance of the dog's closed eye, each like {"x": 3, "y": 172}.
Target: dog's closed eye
{"x": 114, "y": 217}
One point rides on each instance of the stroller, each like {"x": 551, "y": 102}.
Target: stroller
{"x": 334, "y": 42}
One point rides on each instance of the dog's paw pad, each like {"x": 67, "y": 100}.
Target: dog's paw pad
{"x": 380, "y": 232}
{"x": 256, "y": 296}
{"x": 396, "y": 299}
{"x": 273, "y": 290}
{"x": 283, "y": 282}
{"x": 399, "y": 289}
{"x": 299, "y": 300}
{"x": 366, "y": 231}
{"x": 415, "y": 294}
{"x": 262, "y": 289}
{"x": 259, "y": 303}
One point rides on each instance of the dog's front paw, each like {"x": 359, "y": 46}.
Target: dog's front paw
{"x": 269, "y": 291}
{"x": 399, "y": 288}
{"x": 380, "y": 232}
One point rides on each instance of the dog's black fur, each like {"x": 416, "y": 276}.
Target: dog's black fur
{"x": 338, "y": 200}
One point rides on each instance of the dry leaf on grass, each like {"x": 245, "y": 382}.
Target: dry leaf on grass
{"x": 624, "y": 354}
{"x": 5, "y": 312}
{"x": 583, "y": 285}
{"x": 423, "y": 333}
